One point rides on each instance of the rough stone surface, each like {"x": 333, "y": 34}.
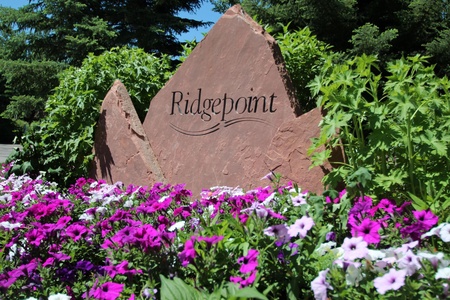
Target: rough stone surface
{"x": 287, "y": 154}
{"x": 208, "y": 143}
{"x": 122, "y": 150}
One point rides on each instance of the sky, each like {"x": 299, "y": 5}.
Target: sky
{"x": 204, "y": 13}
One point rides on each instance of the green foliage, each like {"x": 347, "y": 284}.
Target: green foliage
{"x": 303, "y": 55}
{"x": 178, "y": 289}
{"x": 367, "y": 39}
{"x": 397, "y": 127}
{"x": 61, "y": 144}
{"x": 357, "y": 27}
{"x": 27, "y": 85}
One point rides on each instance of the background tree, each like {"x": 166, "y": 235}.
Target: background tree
{"x": 42, "y": 38}
{"x": 390, "y": 29}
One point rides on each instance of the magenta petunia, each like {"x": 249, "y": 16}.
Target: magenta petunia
{"x": 108, "y": 291}
{"x": 244, "y": 281}
{"x": 210, "y": 240}
{"x": 386, "y": 205}
{"x": 62, "y": 222}
{"x": 76, "y": 231}
{"x": 249, "y": 262}
{"x": 368, "y": 229}
{"x": 426, "y": 218}
{"x": 188, "y": 254}
{"x": 35, "y": 237}
{"x": 121, "y": 268}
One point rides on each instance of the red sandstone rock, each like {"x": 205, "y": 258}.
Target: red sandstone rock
{"x": 287, "y": 154}
{"x": 197, "y": 136}
{"x": 121, "y": 148}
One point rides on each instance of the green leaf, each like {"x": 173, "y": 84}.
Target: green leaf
{"x": 418, "y": 203}
{"x": 249, "y": 292}
{"x": 362, "y": 176}
{"x": 177, "y": 289}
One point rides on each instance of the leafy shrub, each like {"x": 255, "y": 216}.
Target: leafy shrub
{"x": 303, "y": 54}
{"x": 395, "y": 129}
{"x": 61, "y": 143}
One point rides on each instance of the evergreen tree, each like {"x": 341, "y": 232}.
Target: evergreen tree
{"x": 42, "y": 38}
{"x": 388, "y": 28}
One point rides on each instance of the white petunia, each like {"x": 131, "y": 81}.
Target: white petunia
{"x": 325, "y": 247}
{"x": 8, "y": 225}
{"x": 177, "y": 225}
{"x": 444, "y": 233}
{"x": 59, "y": 297}
{"x": 443, "y": 273}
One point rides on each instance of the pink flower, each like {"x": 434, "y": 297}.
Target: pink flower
{"x": 390, "y": 281}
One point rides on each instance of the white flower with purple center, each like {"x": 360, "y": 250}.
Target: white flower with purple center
{"x": 279, "y": 230}
{"x": 269, "y": 199}
{"x": 320, "y": 285}
{"x": 409, "y": 262}
{"x": 301, "y": 227}
{"x": 300, "y": 199}
{"x": 354, "y": 248}
{"x": 176, "y": 226}
{"x": 393, "y": 280}
{"x": 8, "y": 225}
{"x": 352, "y": 270}
{"x": 436, "y": 259}
{"x": 375, "y": 255}
{"x": 433, "y": 231}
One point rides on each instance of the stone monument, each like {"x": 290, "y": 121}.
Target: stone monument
{"x": 228, "y": 116}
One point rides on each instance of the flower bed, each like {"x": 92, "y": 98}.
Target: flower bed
{"x": 101, "y": 241}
